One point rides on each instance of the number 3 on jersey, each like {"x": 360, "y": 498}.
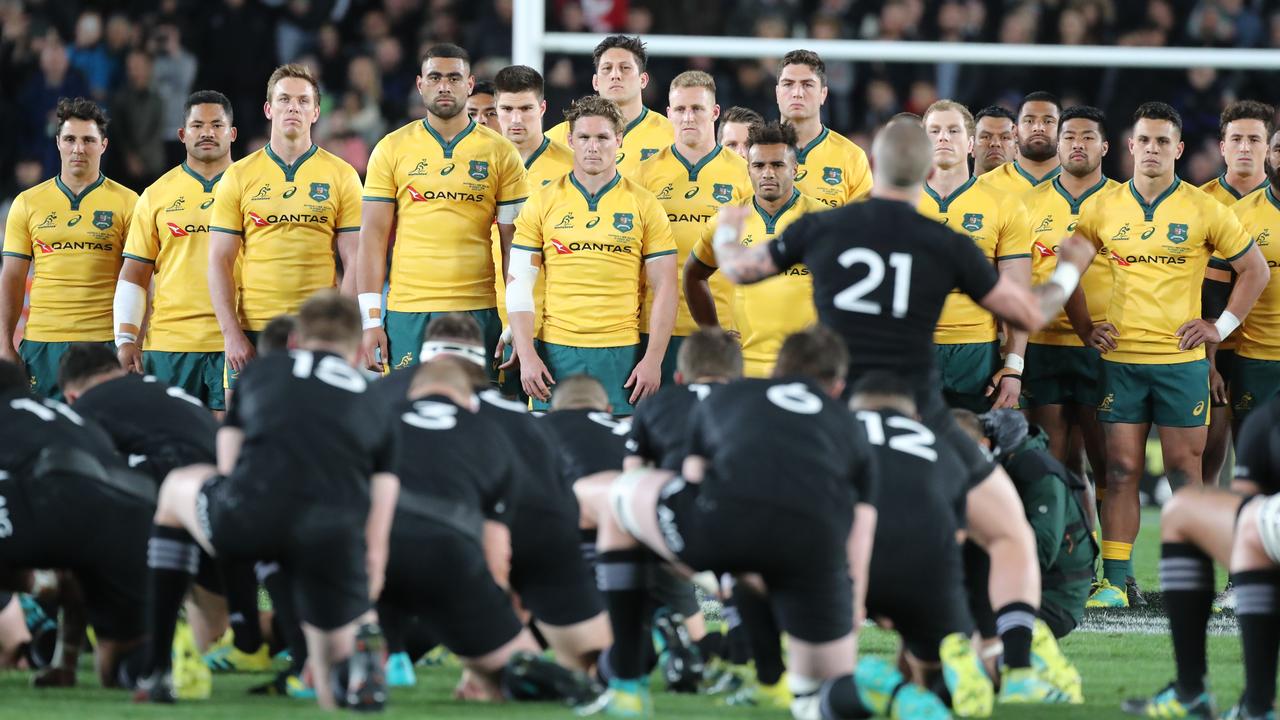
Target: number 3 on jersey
{"x": 853, "y": 298}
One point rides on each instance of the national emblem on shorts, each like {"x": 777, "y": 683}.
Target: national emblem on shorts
{"x": 972, "y": 222}
{"x": 1245, "y": 402}
{"x": 479, "y": 169}
{"x": 832, "y": 175}
{"x": 623, "y": 222}
{"x": 102, "y": 219}
{"x": 1177, "y": 232}
{"x": 319, "y": 192}
{"x": 722, "y": 192}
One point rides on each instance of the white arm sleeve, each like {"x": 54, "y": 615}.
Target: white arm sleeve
{"x": 130, "y": 307}
{"x": 507, "y": 214}
{"x": 522, "y": 274}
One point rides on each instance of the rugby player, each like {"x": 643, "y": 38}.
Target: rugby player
{"x": 620, "y": 75}
{"x": 995, "y": 139}
{"x": 829, "y": 167}
{"x": 598, "y": 234}
{"x": 304, "y": 479}
{"x": 481, "y": 107}
{"x": 279, "y": 214}
{"x": 734, "y": 124}
{"x": 1036, "y": 161}
{"x": 692, "y": 179}
{"x": 169, "y": 242}
{"x": 442, "y": 181}
{"x": 73, "y": 228}
{"x": 767, "y": 312}
{"x": 1159, "y": 233}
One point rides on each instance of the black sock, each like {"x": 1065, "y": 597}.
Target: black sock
{"x": 172, "y": 560}
{"x": 1186, "y": 577}
{"x": 620, "y": 575}
{"x": 1257, "y": 595}
{"x": 839, "y": 700}
{"x": 762, "y": 632}
{"x": 587, "y": 546}
{"x": 393, "y": 622}
{"x": 242, "y": 605}
{"x": 280, "y": 588}
{"x": 711, "y": 646}
{"x": 1014, "y": 623}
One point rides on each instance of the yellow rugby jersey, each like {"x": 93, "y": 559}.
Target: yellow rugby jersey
{"x": 170, "y": 230}
{"x": 768, "y": 311}
{"x": 74, "y": 243}
{"x": 550, "y": 161}
{"x": 288, "y": 216}
{"x": 446, "y": 196}
{"x": 1053, "y": 214}
{"x": 833, "y": 169}
{"x": 1222, "y": 191}
{"x": 1259, "y": 335}
{"x": 593, "y": 251}
{"x": 1158, "y": 255}
{"x": 998, "y": 224}
{"x": 643, "y": 138}
{"x": 1013, "y": 179}
{"x": 692, "y": 194}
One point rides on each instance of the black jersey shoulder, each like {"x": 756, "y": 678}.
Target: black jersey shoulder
{"x": 30, "y": 424}
{"x": 660, "y": 425}
{"x": 590, "y": 441}
{"x": 146, "y": 416}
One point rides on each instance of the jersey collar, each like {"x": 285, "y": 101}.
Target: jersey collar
{"x": 546, "y": 143}
{"x": 206, "y": 184}
{"x": 77, "y": 199}
{"x": 1222, "y": 180}
{"x": 1075, "y": 203}
{"x": 944, "y": 203}
{"x": 448, "y": 147}
{"x": 291, "y": 170}
{"x": 1032, "y": 178}
{"x": 1271, "y": 196}
{"x": 644, "y": 113}
{"x": 803, "y": 152}
{"x": 593, "y": 200}
{"x": 771, "y": 220}
{"x": 693, "y": 168}
{"x": 1149, "y": 211}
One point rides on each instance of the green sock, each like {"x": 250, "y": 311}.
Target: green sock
{"x": 1117, "y": 571}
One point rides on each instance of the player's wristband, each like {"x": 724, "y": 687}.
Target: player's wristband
{"x": 1014, "y": 362}
{"x": 725, "y": 235}
{"x": 1065, "y": 276}
{"x": 370, "y": 309}
{"x": 126, "y": 339}
{"x": 1226, "y": 324}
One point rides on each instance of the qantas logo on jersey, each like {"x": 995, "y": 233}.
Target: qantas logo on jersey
{"x": 1118, "y": 260}
{"x": 560, "y": 247}
{"x": 722, "y": 192}
{"x": 48, "y": 222}
{"x": 185, "y": 230}
{"x": 573, "y": 247}
{"x": 665, "y": 192}
{"x": 294, "y": 218}
{"x": 1043, "y": 250}
{"x": 687, "y": 217}
{"x": 417, "y": 196}
{"x": 50, "y": 248}
{"x": 176, "y": 230}
{"x": 44, "y": 247}
{"x": 1149, "y": 259}
{"x": 177, "y": 205}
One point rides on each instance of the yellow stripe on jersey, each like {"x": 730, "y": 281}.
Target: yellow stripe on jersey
{"x": 998, "y": 224}
{"x": 641, "y": 139}
{"x": 550, "y": 161}
{"x": 289, "y": 217}
{"x": 446, "y": 196}
{"x": 1013, "y": 179}
{"x": 593, "y": 250}
{"x": 74, "y": 243}
{"x": 1158, "y": 256}
{"x": 1053, "y": 214}
{"x": 1222, "y": 191}
{"x": 692, "y": 195}
{"x": 833, "y": 169}
{"x": 1259, "y": 212}
{"x": 768, "y": 311}
{"x": 170, "y": 230}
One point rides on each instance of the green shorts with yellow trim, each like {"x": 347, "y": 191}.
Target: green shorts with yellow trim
{"x": 668, "y": 360}
{"x": 966, "y": 368}
{"x": 42, "y": 359}
{"x": 405, "y": 329}
{"x": 1169, "y": 395}
{"x": 200, "y": 374}
{"x": 230, "y": 376}
{"x": 1253, "y": 384}
{"x": 610, "y": 365}
{"x": 1058, "y": 374}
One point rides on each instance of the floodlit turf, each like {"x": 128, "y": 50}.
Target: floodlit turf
{"x": 1115, "y": 665}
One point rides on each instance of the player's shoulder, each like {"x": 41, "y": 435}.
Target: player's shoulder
{"x": 634, "y": 188}
{"x": 654, "y": 120}
{"x": 250, "y": 165}
{"x": 401, "y": 135}
{"x": 728, "y": 159}
{"x": 36, "y": 195}
{"x": 556, "y": 151}
{"x": 331, "y": 162}
{"x": 1263, "y": 197}
{"x": 806, "y": 204}
{"x": 552, "y": 192}
{"x": 560, "y": 130}
{"x": 491, "y": 141}
{"x": 120, "y": 191}
{"x": 836, "y": 143}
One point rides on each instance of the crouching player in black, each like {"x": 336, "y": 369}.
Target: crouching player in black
{"x": 451, "y": 547}
{"x": 67, "y": 502}
{"x": 304, "y": 479}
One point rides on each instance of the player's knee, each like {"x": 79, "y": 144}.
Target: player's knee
{"x": 1248, "y": 537}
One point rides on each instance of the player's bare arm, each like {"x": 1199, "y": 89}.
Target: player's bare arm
{"x": 371, "y": 273}
{"x": 861, "y": 539}
{"x": 130, "y": 311}
{"x": 345, "y": 243}
{"x": 1030, "y": 310}
{"x": 697, "y": 292}
{"x": 1252, "y": 275}
{"x": 497, "y": 552}
{"x": 224, "y": 248}
{"x": 384, "y": 490}
{"x": 742, "y": 265}
{"x": 660, "y": 274}
{"x": 13, "y": 280}
{"x": 229, "y": 441}
{"x": 1006, "y": 385}
{"x": 522, "y": 273}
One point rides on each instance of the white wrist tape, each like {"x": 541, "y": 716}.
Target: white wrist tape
{"x": 522, "y": 274}
{"x": 507, "y": 214}
{"x": 1014, "y": 362}
{"x": 370, "y": 309}
{"x": 724, "y": 235}
{"x": 1065, "y": 276}
{"x": 129, "y": 308}
{"x": 1226, "y": 324}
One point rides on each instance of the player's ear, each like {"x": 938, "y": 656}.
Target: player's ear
{"x": 715, "y": 112}
{"x": 1176, "y": 154}
{"x": 104, "y": 146}
{"x": 644, "y": 80}
{"x": 266, "y": 110}
{"x": 1105, "y": 147}
{"x": 233, "y": 134}
{"x": 679, "y": 377}
{"x": 542, "y": 108}
{"x": 182, "y": 134}
{"x": 595, "y": 82}
{"x": 823, "y": 94}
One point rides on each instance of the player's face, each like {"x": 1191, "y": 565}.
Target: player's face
{"x": 618, "y": 77}
{"x": 1081, "y": 146}
{"x": 207, "y": 134}
{"x": 1244, "y": 145}
{"x": 595, "y": 144}
{"x": 693, "y": 112}
{"x": 800, "y": 93}
{"x": 951, "y": 143}
{"x": 733, "y": 136}
{"x": 520, "y": 115}
{"x": 1273, "y": 160}
{"x": 1038, "y": 131}
{"x": 1156, "y": 145}
{"x": 773, "y": 171}
{"x": 482, "y": 109}
{"x": 444, "y": 85}
{"x": 293, "y": 108}
{"x": 81, "y": 144}
{"x": 994, "y": 142}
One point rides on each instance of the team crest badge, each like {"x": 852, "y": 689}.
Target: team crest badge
{"x": 1177, "y": 232}
{"x": 624, "y": 222}
{"x": 479, "y": 170}
{"x": 722, "y": 192}
{"x": 972, "y": 222}
{"x": 102, "y": 219}
{"x": 319, "y": 192}
{"x": 832, "y": 175}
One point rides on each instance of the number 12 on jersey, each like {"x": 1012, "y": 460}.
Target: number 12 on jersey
{"x": 853, "y": 298}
